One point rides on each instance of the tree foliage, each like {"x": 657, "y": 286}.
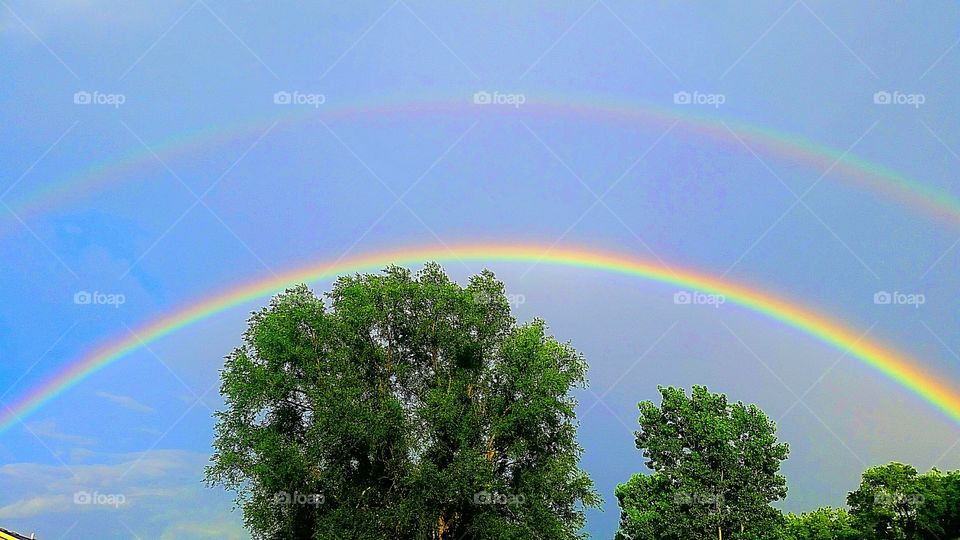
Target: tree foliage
{"x": 409, "y": 408}
{"x": 822, "y": 524}
{"x": 715, "y": 470}
{"x": 894, "y": 501}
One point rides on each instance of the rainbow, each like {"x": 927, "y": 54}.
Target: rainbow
{"x": 894, "y": 365}
{"x": 871, "y": 176}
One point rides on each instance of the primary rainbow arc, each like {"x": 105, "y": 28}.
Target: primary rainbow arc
{"x": 895, "y": 365}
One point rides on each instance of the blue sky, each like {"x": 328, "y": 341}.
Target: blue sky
{"x": 283, "y": 193}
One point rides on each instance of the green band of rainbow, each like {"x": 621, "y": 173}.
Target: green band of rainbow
{"x": 894, "y": 365}
{"x": 870, "y": 176}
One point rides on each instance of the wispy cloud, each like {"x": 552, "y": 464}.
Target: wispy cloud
{"x": 159, "y": 494}
{"x": 43, "y": 18}
{"x": 35, "y": 506}
{"x": 47, "y": 429}
{"x": 126, "y": 402}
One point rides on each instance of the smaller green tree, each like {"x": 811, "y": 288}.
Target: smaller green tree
{"x": 821, "y": 524}
{"x": 895, "y": 502}
{"x": 715, "y": 470}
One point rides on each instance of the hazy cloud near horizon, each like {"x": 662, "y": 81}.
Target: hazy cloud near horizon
{"x": 151, "y": 494}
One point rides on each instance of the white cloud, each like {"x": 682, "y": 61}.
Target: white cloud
{"x": 47, "y": 18}
{"x": 157, "y": 494}
{"x": 222, "y": 530}
{"x": 27, "y": 508}
{"x": 126, "y": 402}
{"x": 47, "y": 429}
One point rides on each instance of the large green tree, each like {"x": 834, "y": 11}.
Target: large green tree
{"x": 404, "y": 407}
{"x": 715, "y": 470}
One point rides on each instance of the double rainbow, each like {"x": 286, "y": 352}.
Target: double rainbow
{"x": 895, "y": 365}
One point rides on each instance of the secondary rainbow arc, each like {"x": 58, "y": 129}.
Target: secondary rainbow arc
{"x": 883, "y": 180}
{"x": 891, "y": 363}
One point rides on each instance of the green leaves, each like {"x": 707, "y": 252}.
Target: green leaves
{"x": 408, "y": 407}
{"x": 716, "y": 469}
{"x": 822, "y": 524}
{"x": 895, "y": 501}
{"x": 716, "y": 466}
